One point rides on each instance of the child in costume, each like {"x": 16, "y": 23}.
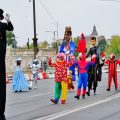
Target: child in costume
{"x": 112, "y": 71}
{"x": 70, "y": 82}
{"x": 60, "y": 77}
{"x": 93, "y": 76}
{"x": 83, "y": 66}
{"x": 19, "y": 81}
{"x": 35, "y": 71}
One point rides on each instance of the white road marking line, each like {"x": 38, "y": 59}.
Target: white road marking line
{"x": 66, "y": 112}
{"x": 40, "y": 94}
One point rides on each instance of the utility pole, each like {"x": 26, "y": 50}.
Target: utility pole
{"x": 28, "y": 46}
{"x": 35, "y": 38}
{"x": 35, "y": 49}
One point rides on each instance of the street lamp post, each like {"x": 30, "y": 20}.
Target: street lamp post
{"x": 35, "y": 49}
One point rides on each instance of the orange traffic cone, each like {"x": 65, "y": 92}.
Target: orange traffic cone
{"x": 44, "y": 75}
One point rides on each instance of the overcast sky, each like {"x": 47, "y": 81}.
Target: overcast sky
{"x": 81, "y": 15}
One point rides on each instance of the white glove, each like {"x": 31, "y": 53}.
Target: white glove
{"x": 93, "y": 56}
{"x": 80, "y": 55}
{"x": 7, "y": 18}
{"x": 103, "y": 58}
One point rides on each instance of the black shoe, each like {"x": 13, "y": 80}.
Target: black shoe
{"x": 88, "y": 93}
{"x": 30, "y": 88}
{"x": 94, "y": 92}
{"x": 52, "y": 100}
{"x": 108, "y": 89}
{"x": 77, "y": 96}
{"x": 83, "y": 96}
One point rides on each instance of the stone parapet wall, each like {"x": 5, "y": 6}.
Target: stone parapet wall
{"x": 27, "y": 57}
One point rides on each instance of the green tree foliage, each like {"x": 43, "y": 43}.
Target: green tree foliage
{"x": 14, "y": 44}
{"x": 76, "y": 40}
{"x": 55, "y": 45}
{"x": 102, "y": 45}
{"x": 10, "y": 38}
{"x": 44, "y": 44}
{"x": 31, "y": 46}
{"x": 114, "y": 46}
{"x": 40, "y": 45}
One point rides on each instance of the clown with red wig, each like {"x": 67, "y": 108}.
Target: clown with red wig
{"x": 61, "y": 84}
{"x": 112, "y": 71}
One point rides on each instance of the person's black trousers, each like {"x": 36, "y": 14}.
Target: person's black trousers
{"x": 2, "y": 82}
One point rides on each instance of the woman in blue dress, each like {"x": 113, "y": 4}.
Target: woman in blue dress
{"x": 19, "y": 81}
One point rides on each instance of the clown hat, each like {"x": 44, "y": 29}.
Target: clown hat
{"x": 81, "y": 44}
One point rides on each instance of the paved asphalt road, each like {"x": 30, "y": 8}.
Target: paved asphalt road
{"x": 35, "y": 104}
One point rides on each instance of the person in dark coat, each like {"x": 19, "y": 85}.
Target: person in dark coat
{"x": 95, "y": 50}
{"x": 3, "y": 27}
{"x": 93, "y": 76}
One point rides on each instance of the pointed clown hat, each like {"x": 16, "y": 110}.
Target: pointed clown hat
{"x": 81, "y": 44}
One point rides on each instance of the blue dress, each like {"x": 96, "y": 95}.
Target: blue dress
{"x": 19, "y": 81}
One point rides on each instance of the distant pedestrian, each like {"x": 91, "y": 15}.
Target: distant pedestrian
{"x": 41, "y": 64}
{"x": 3, "y": 27}
{"x": 44, "y": 65}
